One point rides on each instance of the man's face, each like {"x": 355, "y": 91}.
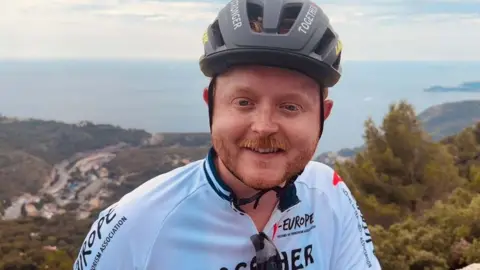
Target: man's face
{"x": 266, "y": 123}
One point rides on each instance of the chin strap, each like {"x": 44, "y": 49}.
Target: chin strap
{"x": 287, "y": 196}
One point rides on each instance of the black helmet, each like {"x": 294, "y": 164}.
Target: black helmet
{"x": 293, "y": 34}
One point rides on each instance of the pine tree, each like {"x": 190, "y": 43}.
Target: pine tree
{"x": 401, "y": 171}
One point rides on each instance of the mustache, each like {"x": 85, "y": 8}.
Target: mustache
{"x": 264, "y": 142}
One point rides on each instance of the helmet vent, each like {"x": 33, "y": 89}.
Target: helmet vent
{"x": 325, "y": 42}
{"x": 255, "y": 16}
{"x": 336, "y": 64}
{"x": 289, "y": 15}
{"x": 217, "y": 35}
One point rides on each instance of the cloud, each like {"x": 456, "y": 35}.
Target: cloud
{"x": 370, "y": 29}
{"x": 174, "y": 12}
{"x": 103, "y": 29}
{"x": 402, "y": 30}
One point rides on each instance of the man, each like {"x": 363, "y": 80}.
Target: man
{"x": 256, "y": 201}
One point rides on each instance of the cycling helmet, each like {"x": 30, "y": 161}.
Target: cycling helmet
{"x": 293, "y": 34}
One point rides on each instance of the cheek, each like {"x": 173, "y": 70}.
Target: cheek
{"x": 302, "y": 134}
{"x": 303, "y": 127}
{"x": 228, "y": 125}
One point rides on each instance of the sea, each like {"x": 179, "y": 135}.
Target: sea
{"x": 166, "y": 96}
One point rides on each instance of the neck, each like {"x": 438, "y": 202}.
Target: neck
{"x": 267, "y": 202}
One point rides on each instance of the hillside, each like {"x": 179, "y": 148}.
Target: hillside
{"x": 21, "y": 172}
{"x": 30, "y": 148}
{"x": 420, "y": 197}
{"x": 49, "y": 168}
{"x": 55, "y": 141}
{"x": 450, "y": 118}
{"x": 438, "y": 121}
{"x": 140, "y": 165}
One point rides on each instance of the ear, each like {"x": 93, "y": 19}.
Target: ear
{"x": 205, "y": 95}
{"x": 327, "y": 105}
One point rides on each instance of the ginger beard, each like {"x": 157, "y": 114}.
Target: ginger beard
{"x": 263, "y": 171}
{"x": 249, "y": 115}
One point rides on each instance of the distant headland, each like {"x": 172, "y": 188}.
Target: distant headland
{"x": 464, "y": 87}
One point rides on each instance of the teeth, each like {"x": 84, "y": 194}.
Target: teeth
{"x": 266, "y": 150}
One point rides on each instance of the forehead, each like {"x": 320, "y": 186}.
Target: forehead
{"x": 259, "y": 79}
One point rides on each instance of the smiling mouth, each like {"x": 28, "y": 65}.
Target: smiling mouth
{"x": 266, "y": 150}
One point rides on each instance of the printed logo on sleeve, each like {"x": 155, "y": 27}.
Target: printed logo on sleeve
{"x": 98, "y": 239}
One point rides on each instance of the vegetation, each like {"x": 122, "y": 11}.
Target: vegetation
{"x": 37, "y": 243}
{"x": 438, "y": 121}
{"x": 420, "y": 196}
{"x": 21, "y": 172}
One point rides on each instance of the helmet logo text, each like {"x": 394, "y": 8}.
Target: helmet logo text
{"x": 235, "y": 13}
{"x": 308, "y": 19}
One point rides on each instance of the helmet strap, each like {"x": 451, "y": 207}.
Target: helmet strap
{"x": 287, "y": 195}
{"x": 322, "y": 110}
{"x": 211, "y": 88}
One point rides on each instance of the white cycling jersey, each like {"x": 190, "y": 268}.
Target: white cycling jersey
{"x": 184, "y": 220}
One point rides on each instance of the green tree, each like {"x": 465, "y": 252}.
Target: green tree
{"x": 445, "y": 237}
{"x": 401, "y": 170}
{"x": 57, "y": 260}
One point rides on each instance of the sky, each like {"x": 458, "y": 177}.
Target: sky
{"x": 172, "y": 29}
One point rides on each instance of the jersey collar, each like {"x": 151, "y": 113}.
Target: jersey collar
{"x": 289, "y": 200}
{"x": 213, "y": 178}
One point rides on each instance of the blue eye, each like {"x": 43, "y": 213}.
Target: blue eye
{"x": 291, "y": 107}
{"x": 243, "y": 102}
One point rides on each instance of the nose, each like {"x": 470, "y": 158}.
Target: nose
{"x": 264, "y": 122}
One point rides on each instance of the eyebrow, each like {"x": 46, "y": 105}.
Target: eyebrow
{"x": 300, "y": 95}
{"x": 243, "y": 89}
